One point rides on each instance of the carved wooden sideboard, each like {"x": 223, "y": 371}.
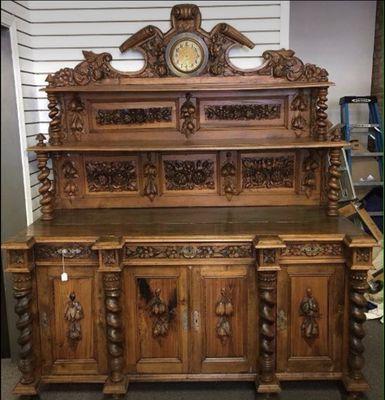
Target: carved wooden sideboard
{"x": 193, "y": 207}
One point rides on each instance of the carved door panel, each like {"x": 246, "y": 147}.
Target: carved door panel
{"x": 156, "y": 319}
{"x": 72, "y": 340}
{"x": 310, "y": 318}
{"x": 223, "y": 319}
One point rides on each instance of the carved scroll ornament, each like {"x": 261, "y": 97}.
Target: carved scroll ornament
{"x": 309, "y": 310}
{"x": 73, "y": 314}
{"x": 154, "y": 45}
{"x": 224, "y": 309}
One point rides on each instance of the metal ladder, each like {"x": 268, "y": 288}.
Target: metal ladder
{"x": 374, "y": 133}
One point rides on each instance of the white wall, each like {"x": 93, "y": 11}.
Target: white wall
{"x": 51, "y": 35}
{"x": 339, "y": 36}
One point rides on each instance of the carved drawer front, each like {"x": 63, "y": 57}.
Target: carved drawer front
{"x": 156, "y": 319}
{"x": 310, "y": 318}
{"x": 223, "y": 319}
{"x": 72, "y": 339}
{"x": 72, "y": 252}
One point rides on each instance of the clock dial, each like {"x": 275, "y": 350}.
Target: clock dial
{"x": 187, "y": 55}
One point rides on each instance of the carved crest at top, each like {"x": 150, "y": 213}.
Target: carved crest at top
{"x": 186, "y": 50}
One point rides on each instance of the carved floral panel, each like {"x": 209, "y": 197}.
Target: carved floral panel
{"x": 268, "y": 171}
{"x": 133, "y": 116}
{"x": 111, "y": 175}
{"x": 242, "y": 112}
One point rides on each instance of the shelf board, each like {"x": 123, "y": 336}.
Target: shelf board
{"x": 190, "y": 145}
{"x": 367, "y": 154}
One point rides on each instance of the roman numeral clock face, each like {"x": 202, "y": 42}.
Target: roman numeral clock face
{"x": 186, "y": 54}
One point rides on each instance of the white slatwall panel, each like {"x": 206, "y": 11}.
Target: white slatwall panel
{"x": 51, "y": 35}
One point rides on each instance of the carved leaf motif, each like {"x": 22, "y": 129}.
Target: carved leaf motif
{"x": 76, "y": 117}
{"x": 187, "y": 115}
{"x": 111, "y": 176}
{"x": 70, "y": 175}
{"x": 268, "y": 172}
{"x": 309, "y": 167}
{"x": 228, "y": 173}
{"x": 189, "y": 175}
{"x": 73, "y": 314}
{"x": 309, "y": 309}
{"x": 150, "y": 174}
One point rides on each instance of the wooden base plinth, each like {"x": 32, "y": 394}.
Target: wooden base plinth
{"x": 352, "y": 385}
{"x": 116, "y": 389}
{"x": 31, "y": 389}
{"x": 271, "y": 387}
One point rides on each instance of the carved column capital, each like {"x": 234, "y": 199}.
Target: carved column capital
{"x": 110, "y": 250}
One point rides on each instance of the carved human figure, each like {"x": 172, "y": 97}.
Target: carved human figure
{"x": 309, "y": 309}
{"x": 73, "y": 314}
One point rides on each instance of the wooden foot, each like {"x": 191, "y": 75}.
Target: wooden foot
{"x": 26, "y": 390}
{"x": 117, "y": 390}
{"x": 355, "y": 387}
{"x": 270, "y": 388}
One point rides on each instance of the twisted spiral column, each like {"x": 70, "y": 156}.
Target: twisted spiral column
{"x": 358, "y": 286}
{"x": 112, "y": 291}
{"x": 321, "y": 115}
{"x": 45, "y": 188}
{"x": 334, "y": 181}
{"x": 54, "y": 129}
{"x": 22, "y": 287}
{"x": 267, "y": 282}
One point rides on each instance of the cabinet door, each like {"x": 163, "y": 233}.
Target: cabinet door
{"x": 310, "y": 318}
{"x": 223, "y": 319}
{"x": 69, "y": 311}
{"x": 156, "y": 319}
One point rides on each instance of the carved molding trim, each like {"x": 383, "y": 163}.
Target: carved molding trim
{"x": 188, "y": 117}
{"x": 311, "y": 249}
{"x": 188, "y": 252}
{"x": 242, "y": 112}
{"x": 224, "y": 309}
{"x": 111, "y": 176}
{"x": 72, "y": 251}
{"x": 73, "y": 313}
{"x": 162, "y": 314}
{"x": 310, "y": 166}
{"x": 133, "y": 116}
{"x": 229, "y": 175}
{"x": 189, "y": 174}
{"x": 309, "y": 310}
{"x": 268, "y": 172}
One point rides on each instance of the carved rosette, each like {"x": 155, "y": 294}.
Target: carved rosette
{"x": 362, "y": 255}
{"x": 73, "y": 313}
{"x": 188, "y": 117}
{"x": 310, "y": 166}
{"x": 45, "y": 188}
{"x": 76, "y": 117}
{"x": 299, "y": 105}
{"x": 267, "y": 286}
{"x": 22, "y": 289}
{"x": 334, "y": 181}
{"x": 70, "y": 175}
{"x": 229, "y": 176}
{"x": 150, "y": 174}
{"x": 224, "y": 309}
{"x": 358, "y": 286}
{"x": 309, "y": 310}
{"x": 112, "y": 292}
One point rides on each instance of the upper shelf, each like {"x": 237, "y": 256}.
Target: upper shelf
{"x": 190, "y": 145}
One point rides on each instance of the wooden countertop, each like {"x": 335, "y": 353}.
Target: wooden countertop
{"x": 195, "y": 223}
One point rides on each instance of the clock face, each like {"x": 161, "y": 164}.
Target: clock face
{"x": 186, "y": 55}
